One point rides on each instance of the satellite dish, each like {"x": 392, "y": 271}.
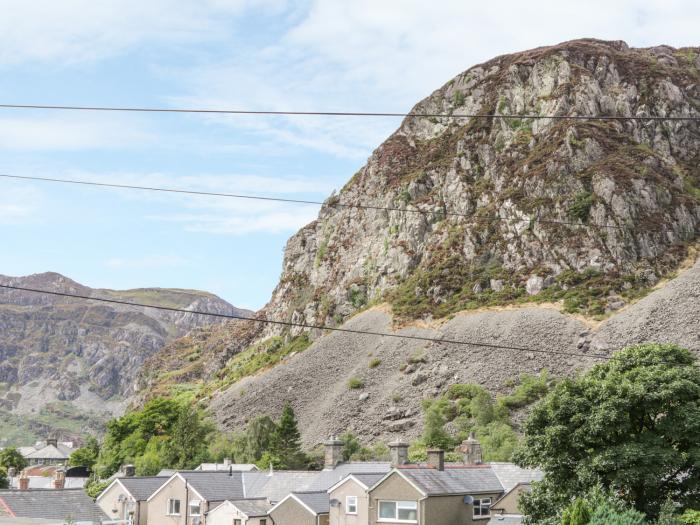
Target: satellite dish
{"x": 469, "y": 500}
{"x": 335, "y": 503}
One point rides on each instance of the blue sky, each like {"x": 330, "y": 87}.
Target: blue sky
{"x": 271, "y": 55}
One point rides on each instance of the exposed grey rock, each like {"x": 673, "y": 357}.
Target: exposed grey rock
{"x": 534, "y": 284}
{"x": 363, "y": 396}
{"x": 496, "y": 285}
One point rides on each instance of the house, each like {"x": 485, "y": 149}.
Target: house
{"x": 302, "y": 508}
{"x": 434, "y": 493}
{"x": 53, "y": 504}
{"x": 126, "y": 497}
{"x": 240, "y": 512}
{"x": 349, "y": 501}
{"x": 49, "y": 452}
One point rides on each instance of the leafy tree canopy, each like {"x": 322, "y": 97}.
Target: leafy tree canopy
{"x": 630, "y": 425}
{"x": 10, "y": 457}
{"x": 85, "y": 456}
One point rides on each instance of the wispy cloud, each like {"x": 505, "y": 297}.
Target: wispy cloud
{"x": 72, "y": 132}
{"x": 18, "y": 205}
{"x": 75, "y": 31}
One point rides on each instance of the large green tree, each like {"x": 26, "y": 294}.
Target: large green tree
{"x": 287, "y": 442}
{"x": 11, "y": 457}
{"x": 85, "y": 456}
{"x": 4, "y": 483}
{"x": 630, "y": 425}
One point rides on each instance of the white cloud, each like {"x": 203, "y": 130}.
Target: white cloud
{"x": 74, "y": 31}
{"x": 18, "y": 204}
{"x": 386, "y": 56}
{"x": 147, "y": 262}
{"x": 72, "y": 132}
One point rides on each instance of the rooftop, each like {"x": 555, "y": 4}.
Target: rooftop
{"x": 142, "y": 488}
{"x": 318, "y": 502}
{"x": 59, "y": 504}
{"x": 434, "y": 482}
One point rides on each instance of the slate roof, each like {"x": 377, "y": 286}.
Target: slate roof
{"x": 216, "y": 486}
{"x": 368, "y": 479}
{"x": 277, "y": 486}
{"x": 142, "y": 488}
{"x": 52, "y": 503}
{"x": 510, "y": 474}
{"x": 242, "y": 467}
{"x": 316, "y": 501}
{"x": 252, "y": 508}
{"x": 327, "y": 478}
{"x": 464, "y": 480}
{"x": 51, "y": 452}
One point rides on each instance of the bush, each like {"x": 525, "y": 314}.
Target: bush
{"x": 355, "y": 382}
{"x": 374, "y": 363}
{"x": 530, "y": 389}
{"x": 581, "y": 206}
{"x": 691, "y": 517}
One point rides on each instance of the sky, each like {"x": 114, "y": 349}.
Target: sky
{"x": 317, "y": 55}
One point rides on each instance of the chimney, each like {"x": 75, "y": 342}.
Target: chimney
{"x": 471, "y": 449}
{"x": 23, "y": 482}
{"x": 51, "y": 442}
{"x": 398, "y": 452}
{"x": 436, "y": 458}
{"x": 334, "y": 453}
{"x": 11, "y": 472}
{"x": 59, "y": 479}
{"x": 129, "y": 471}
{"x": 227, "y": 462}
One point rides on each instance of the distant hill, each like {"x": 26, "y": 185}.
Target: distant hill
{"x": 66, "y": 365}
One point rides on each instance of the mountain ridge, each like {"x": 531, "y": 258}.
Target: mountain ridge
{"x": 73, "y": 361}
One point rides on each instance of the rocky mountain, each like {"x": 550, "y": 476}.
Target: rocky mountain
{"x": 551, "y": 234}
{"x": 66, "y": 363}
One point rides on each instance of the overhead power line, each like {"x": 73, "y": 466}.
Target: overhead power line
{"x": 339, "y": 204}
{"x": 305, "y": 325}
{"x": 343, "y": 113}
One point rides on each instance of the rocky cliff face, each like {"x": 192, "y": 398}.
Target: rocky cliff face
{"x": 501, "y": 210}
{"x": 581, "y": 218}
{"x": 70, "y": 356}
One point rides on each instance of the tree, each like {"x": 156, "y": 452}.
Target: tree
{"x": 630, "y": 425}
{"x": 578, "y": 513}
{"x": 607, "y": 514}
{"x": 691, "y": 517}
{"x": 434, "y": 434}
{"x": 259, "y": 437}
{"x": 287, "y": 446}
{"x": 11, "y": 457}
{"x": 85, "y": 456}
{"x": 351, "y": 445}
{"x": 188, "y": 438}
{"x": 4, "y": 482}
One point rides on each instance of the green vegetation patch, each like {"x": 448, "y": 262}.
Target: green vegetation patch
{"x": 263, "y": 355}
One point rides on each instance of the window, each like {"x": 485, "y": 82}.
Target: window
{"x": 351, "y": 505}
{"x": 482, "y": 507}
{"x": 238, "y": 522}
{"x": 195, "y": 508}
{"x": 263, "y": 522}
{"x": 402, "y": 511}
{"x": 173, "y": 507}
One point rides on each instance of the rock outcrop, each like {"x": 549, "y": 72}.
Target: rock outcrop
{"x": 72, "y": 355}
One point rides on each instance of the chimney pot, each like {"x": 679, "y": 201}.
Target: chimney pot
{"x": 399, "y": 452}
{"x": 51, "y": 442}
{"x": 11, "y": 472}
{"x": 23, "y": 483}
{"x": 227, "y": 462}
{"x": 59, "y": 479}
{"x": 334, "y": 452}
{"x": 129, "y": 471}
{"x": 436, "y": 459}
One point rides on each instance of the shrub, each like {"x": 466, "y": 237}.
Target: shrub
{"x": 458, "y": 98}
{"x": 581, "y": 206}
{"x": 355, "y": 383}
{"x": 530, "y": 389}
{"x": 374, "y": 363}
